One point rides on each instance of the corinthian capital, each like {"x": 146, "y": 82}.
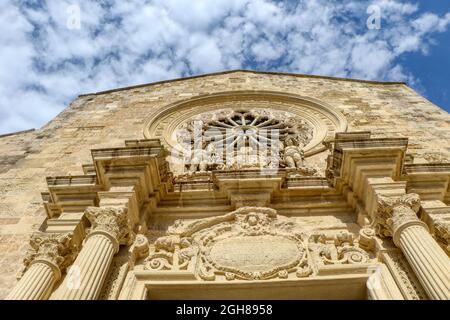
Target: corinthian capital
{"x": 55, "y": 249}
{"x": 113, "y": 221}
{"x": 395, "y": 213}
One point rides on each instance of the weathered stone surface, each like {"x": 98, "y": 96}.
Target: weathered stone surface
{"x": 106, "y": 119}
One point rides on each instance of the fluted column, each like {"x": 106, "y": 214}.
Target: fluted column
{"x": 398, "y": 217}
{"x": 49, "y": 255}
{"x": 110, "y": 228}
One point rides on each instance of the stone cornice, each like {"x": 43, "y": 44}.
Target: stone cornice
{"x": 356, "y": 157}
{"x": 245, "y": 71}
{"x": 140, "y": 163}
{"x": 428, "y": 169}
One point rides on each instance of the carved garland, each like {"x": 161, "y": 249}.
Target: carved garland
{"x": 239, "y": 245}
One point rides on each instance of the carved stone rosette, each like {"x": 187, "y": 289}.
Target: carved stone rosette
{"x": 111, "y": 221}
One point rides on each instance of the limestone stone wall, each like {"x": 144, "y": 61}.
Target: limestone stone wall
{"x": 107, "y": 119}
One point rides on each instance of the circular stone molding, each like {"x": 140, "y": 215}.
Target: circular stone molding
{"x": 324, "y": 120}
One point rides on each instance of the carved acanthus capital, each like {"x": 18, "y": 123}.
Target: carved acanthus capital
{"x": 54, "y": 249}
{"x": 442, "y": 233}
{"x": 111, "y": 221}
{"x": 394, "y": 214}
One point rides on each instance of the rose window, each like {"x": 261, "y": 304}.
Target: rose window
{"x": 256, "y": 137}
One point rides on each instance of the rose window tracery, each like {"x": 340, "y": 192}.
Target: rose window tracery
{"x": 244, "y": 138}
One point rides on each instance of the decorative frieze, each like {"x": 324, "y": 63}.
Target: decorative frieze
{"x": 240, "y": 245}
{"x": 442, "y": 233}
{"x": 404, "y": 276}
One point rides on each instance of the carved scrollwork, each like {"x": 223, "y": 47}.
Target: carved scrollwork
{"x": 171, "y": 253}
{"x": 367, "y": 238}
{"x": 342, "y": 249}
{"x": 56, "y": 249}
{"x": 238, "y": 245}
{"x": 140, "y": 246}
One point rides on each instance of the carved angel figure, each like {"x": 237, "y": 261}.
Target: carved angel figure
{"x": 293, "y": 154}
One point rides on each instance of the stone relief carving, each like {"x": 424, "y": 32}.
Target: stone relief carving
{"x": 342, "y": 249}
{"x": 54, "y": 248}
{"x": 140, "y": 247}
{"x": 367, "y": 238}
{"x": 115, "y": 278}
{"x": 121, "y": 264}
{"x": 394, "y": 212}
{"x": 407, "y": 280}
{"x": 113, "y": 221}
{"x": 240, "y": 245}
{"x": 442, "y": 233}
{"x": 247, "y": 135}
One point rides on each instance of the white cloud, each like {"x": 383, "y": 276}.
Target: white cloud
{"x": 44, "y": 64}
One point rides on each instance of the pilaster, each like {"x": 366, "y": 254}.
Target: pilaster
{"x": 396, "y": 217}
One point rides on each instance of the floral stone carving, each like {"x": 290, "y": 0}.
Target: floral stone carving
{"x": 241, "y": 245}
{"x": 113, "y": 221}
{"x": 342, "y": 249}
{"x": 55, "y": 249}
{"x": 395, "y": 214}
{"x": 238, "y": 245}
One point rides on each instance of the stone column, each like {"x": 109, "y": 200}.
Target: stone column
{"x": 110, "y": 228}
{"x": 50, "y": 253}
{"x": 397, "y": 217}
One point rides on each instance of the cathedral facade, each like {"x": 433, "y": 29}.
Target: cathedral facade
{"x": 233, "y": 185}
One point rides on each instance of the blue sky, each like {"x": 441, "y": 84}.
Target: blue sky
{"x": 51, "y": 51}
